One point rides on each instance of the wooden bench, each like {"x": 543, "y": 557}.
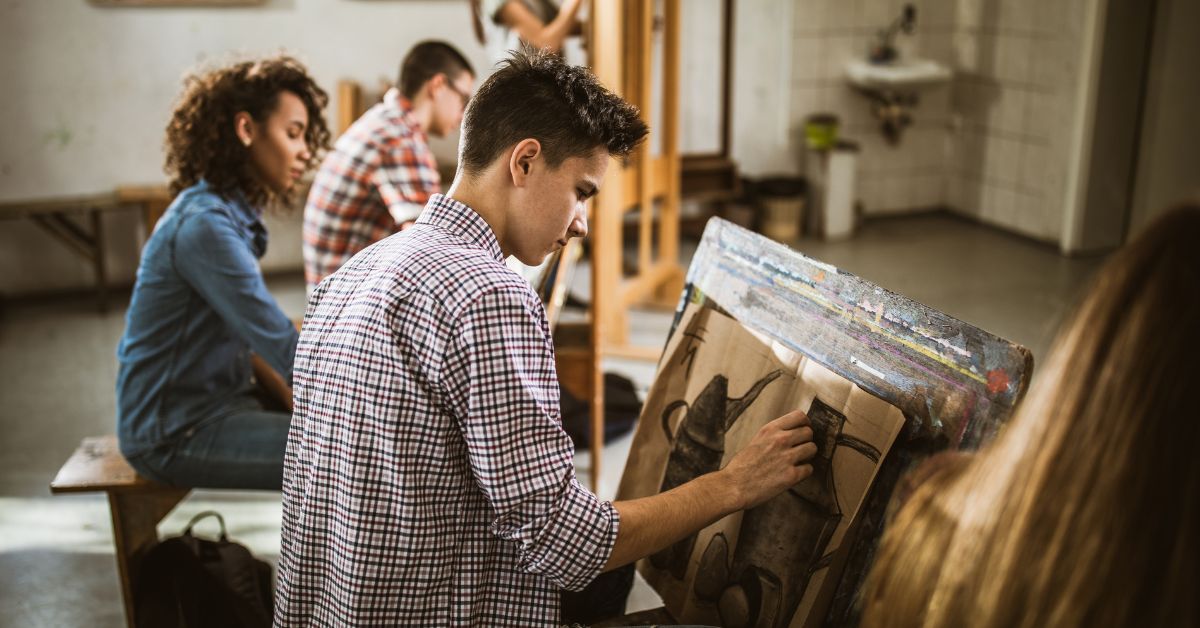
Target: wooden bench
{"x": 136, "y": 504}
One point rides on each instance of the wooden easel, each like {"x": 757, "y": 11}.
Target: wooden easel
{"x": 621, "y": 45}
{"x": 349, "y": 107}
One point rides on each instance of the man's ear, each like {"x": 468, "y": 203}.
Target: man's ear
{"x": 436, "y": 81}
{"x": 523, "y": 160}
{"x": 243, "y": 126}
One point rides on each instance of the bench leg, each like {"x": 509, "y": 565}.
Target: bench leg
{"x": 135, "y": 518}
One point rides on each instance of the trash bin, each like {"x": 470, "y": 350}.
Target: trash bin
{"x": 831, "y": 197}
{"x": 782, "y": 203}
{"x": 840, "y": 190}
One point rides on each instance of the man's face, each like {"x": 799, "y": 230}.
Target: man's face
{"x": 552, "y": 206}
{"x": 449, "y": 102}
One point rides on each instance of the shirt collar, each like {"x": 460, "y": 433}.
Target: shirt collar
{"x": 246, "y": 213}
{"x": 455, "y": 217}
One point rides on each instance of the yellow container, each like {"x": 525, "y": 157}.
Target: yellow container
{"x": 821, "y": 131}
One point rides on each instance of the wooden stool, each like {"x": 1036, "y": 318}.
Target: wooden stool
{"x": 136, "y": 504}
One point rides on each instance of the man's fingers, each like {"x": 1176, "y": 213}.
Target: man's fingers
{"x": 804, "y": 471}
{"x": 800, "y": 435}
{"x": 805, "y": 452}
{"x": 792, "y": 420}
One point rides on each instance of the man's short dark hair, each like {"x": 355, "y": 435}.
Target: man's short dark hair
{"x": 535, "y": 94}
{"x": 427, "y": 60}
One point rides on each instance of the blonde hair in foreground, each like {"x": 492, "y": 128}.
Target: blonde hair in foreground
{"x": 1083, "y": 512}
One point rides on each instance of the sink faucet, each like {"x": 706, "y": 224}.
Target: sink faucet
{"x": 882, "y": 49}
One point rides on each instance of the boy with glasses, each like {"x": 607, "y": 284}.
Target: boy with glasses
{"x": 381, "y": 171}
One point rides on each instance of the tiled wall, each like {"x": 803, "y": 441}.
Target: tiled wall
{"x": 994, "y": 143}
{"x": 1017, "y": 78}
{"x": 827, "y": 33}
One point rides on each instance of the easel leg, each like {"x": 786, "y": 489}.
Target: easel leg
{"x": 597, "y": 418}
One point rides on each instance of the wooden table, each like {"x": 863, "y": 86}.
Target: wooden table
{"x": 77, "y": 223}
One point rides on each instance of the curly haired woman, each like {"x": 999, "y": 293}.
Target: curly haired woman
{"x": 187, "y": 412}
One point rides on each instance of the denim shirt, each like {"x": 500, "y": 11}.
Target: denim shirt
{"x": 199, "y": 307}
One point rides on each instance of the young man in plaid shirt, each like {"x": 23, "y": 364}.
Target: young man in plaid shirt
{"x": 381, "y": 172}
{"x": 428, "y": 480}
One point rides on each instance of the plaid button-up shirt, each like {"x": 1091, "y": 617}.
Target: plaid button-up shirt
{"x": 379, "y": 175}
{"x": 427, "y": 479}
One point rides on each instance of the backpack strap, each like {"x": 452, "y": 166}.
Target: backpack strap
{"x": 207, "y": 513}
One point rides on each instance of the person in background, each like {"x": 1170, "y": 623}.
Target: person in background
{"x": 381, "y": 171}
{"x": 188, "y": 412}
{"x": 503, "y": 25}
{"x": 1083, "y": 512}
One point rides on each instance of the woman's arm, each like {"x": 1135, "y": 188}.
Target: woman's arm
{"x": 532, "y": 30}
{"x": 271, "y": 382}
{"x": 211, "y": 255}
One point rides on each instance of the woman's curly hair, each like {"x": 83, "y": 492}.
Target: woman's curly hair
{"x": 201, "y": 141}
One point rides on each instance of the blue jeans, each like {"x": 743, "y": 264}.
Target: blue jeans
{"x": 242, "y": 448}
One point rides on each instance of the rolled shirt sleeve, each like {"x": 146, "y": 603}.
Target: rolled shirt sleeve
{"x": 499, "y": 377}
{"x": 407, "y": 176}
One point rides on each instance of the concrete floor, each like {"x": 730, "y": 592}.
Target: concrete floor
{"x": 57, "y": 370}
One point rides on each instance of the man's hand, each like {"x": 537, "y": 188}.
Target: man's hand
{"x": 773, "y": 461}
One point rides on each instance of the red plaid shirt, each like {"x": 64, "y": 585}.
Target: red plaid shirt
{"x": 427, "y": 479}
{"x": 379, "y": 175}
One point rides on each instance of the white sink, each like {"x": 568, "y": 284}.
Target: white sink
{"x": 896, "y": 75}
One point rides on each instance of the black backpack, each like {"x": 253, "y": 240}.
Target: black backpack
{"x": 188, "y": 582}
{"x": 621, "y": 410}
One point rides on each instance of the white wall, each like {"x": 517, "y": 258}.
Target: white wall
{"x": 701, "y": 38}
{"x": 87, "y": 92}
{"x": 762, "y": 139}
{"x": 1019, "y": 66}
{"x": 1167, "y": 170}
{"x": 999, "y": 144}
{"x": 825, "y": 35}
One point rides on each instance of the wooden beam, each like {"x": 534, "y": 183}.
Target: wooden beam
{"x": 634, "y": 352}
{"x": 640, "y": 288}
{"x": 660, "y": 177}
{"x": 350, "y": 104}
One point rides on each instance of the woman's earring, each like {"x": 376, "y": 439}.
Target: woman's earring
{"x": 246, "y": 142}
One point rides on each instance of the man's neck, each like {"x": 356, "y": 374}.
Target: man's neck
{"x": 478, "y": 193}
{"x": 422, "y": 112}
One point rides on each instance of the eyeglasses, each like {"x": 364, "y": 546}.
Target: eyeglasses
{"x": 466, "y": 97}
